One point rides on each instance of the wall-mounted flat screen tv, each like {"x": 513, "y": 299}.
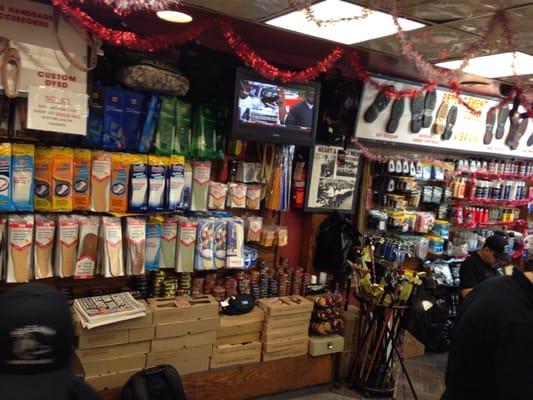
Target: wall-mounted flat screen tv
{"x": 276, "y": 112}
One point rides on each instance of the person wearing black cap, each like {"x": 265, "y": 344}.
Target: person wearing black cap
{"x": 481, "y": 264}
{"x": 37, "y": 346}
{"x": 491, "y": 356}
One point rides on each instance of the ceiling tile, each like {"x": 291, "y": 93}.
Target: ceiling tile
{"x": 246, "y": 9}
{"x": 435, "y": 43}
{"x": 445, "y": 10}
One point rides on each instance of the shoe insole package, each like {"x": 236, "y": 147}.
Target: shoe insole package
{"x": 3, "y": 235}
{"x": 19, "y": 248}
{"x": 95, "y": 120}
{"x": 183, "y": 128}
{"x": 236, "y": 195}
{"x": 153, "y": 244}
{"x": 150, "y": 123}
{"x": 22, "y": 180}
{"x": 113, "y": 132}
{"x": 220, "y": 242}
{"x": 43, "y": 178}
{"x": 62, "y": 177}
{"x": 204, "y": 259}
{"x": 66, "y": 245}
{"x": 81, "y": 195}
{"x": 164, "y": 136}
{"x": 201, "y": 172}
{"x": 169, "y": 234}
{"x": 118, "y": 196}
{"x": 135, "y": 245}
{"x": 113, "y": 264}
{"x": 176, "y": 181}
{"x": 133, "y": 104}
{"x": 6, "y": 203}
{"x": 157, "y": 177}
{"x": 138, "y": 184}
{"x": 187, "y": 187}
{"x": 87, "y": 255}
{"x": 185, "y": 245}
{"x": 100, "y": 181}
{"x": 253, "y": 226}
{"x": 234, "y": 243}
{"x": 217, "y": 196}
{"x": 45, "y": 228}
{"x": 253, "y": 197}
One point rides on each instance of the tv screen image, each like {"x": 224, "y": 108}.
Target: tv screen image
{"x": 272, "y": 111}
{"x": 267, "y": 104}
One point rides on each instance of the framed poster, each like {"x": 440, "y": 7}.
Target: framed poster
{"x": 332, "y": 180}
{"x": 468, "y": 132}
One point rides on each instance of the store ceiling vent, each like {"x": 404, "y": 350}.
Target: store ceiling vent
{"x": 495, "y": 65}
{"x": 376, "y": 24}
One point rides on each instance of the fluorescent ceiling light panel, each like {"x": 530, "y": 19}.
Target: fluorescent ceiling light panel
{"x": 377, "y": 24}
{"x": 495, "y": 65}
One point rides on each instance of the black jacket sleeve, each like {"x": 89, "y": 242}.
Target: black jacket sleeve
{"x": 467, "y": 275}
{"x": 514, "y": 363}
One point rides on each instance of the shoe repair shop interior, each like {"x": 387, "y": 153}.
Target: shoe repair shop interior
{"x": 325, "y": 158}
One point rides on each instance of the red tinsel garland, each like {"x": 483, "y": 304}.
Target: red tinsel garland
{"x": 129, "y": 40}
{"x": 264, "y": 68}
{"x": 127, "y": 7}
{"x": 362, "y": 74}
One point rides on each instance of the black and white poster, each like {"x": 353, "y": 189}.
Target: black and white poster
{"x": 333, "y": 179}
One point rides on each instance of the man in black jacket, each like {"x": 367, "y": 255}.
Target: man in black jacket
{"x": 491, "y": 357}
{"x": 301, "y": 115}
{"x": 482, "y": 264}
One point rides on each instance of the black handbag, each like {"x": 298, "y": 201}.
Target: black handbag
{"x": 236, "y": 305}
{"x": 427, "y": 317}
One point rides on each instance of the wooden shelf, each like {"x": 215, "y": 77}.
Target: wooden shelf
{"x": 253, "y": 380}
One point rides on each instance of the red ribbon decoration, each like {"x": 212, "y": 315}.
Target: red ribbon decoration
{"x": 126, "y": 39}
{"x": 264, "y": 68}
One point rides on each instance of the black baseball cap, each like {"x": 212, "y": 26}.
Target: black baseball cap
{"x": 36, "y": 344}
{"x": 498, "y": 244}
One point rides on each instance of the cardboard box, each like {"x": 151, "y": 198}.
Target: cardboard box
{"x": 320, "y": 345}
{"x": 174, "y": 329}
{"x": 227, "y": 355}
{"x": 91, "y": 341}
{"x": 103, "y": 339}
{"x": 285, "y": 305}
{"x": 231, "y": 325}
{"x": 412, "y": 347}
{"x": 114, "y": 365}
{"x": 166, "y": 357}
{"x": 234, "y": 349}
{"x": 286, "y": 333}
{"x": 286, "y": 321}
{"x": 140, "y": 334}
{"x": 183, "y": 308}
{"x": 351, "y": 327}
{"x": 141, "y": 322}
{"x": 296, "y": 351}
{"x": 182, "y": 342}
{"x": 282, "y": 345}
{"x": 122, "y": 350}
{"x": 110, "y": 381}
{"x": 239, "y": 339}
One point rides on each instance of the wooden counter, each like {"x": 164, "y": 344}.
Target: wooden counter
{"x": 253, "y": 380}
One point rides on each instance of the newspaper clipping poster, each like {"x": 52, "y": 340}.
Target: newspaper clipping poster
{"x": 333, "y": 178}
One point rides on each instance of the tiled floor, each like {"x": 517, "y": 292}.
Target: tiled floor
{"x": 427, "y": 375}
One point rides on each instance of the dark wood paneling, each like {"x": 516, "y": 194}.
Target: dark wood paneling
{"x": 253, "y": 380}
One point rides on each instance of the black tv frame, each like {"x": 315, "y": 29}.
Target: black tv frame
{"x": 269, "y": 133}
